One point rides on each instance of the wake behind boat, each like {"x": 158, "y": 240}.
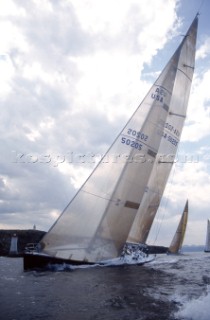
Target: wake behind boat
{"x": 110, "y": 217}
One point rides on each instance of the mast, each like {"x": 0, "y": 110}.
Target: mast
{"x": 185, "y": 56}
{"x": 178, "y": 238}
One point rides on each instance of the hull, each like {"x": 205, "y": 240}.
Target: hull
{"x": 42, "y": 262}
{"x": 35, "y": 261}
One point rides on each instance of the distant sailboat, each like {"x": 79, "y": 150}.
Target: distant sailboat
{"x": 178, "y": 238}
{"x": 113, "y": 211}
{"x": 207, "y": 246}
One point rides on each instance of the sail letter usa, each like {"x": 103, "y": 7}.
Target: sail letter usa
{"x": 159, "y": 94}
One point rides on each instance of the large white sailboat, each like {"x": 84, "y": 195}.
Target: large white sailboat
{"x": 111, "y": 215}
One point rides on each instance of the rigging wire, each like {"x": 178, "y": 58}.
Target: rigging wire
{"x": 164, "y": 206}
{"x": 201, "y": 5}
{"x": 163, "y": 209}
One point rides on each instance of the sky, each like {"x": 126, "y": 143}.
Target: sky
{"x": 71, "y": 75}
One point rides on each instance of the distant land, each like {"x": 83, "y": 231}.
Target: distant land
{"x": 192, "y": 248}
{"x": 25, "y": 237}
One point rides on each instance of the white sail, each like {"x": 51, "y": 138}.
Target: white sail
{"x": 178, "y": 238}
{"x": 207, "y": 246}
{"x": 96, "y": 223}
{"x": 185, "y": 59}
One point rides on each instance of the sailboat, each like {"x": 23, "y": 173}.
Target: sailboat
{"x": 110, "y": 216}
{"x": 178, "y": 238}
{"x": 207, "y": 246}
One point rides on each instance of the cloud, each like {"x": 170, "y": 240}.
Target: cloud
{"x": 197, "y": 123}
{"x": 204, "y": 49}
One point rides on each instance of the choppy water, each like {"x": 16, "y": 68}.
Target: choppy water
{"x": 171, "y": 287}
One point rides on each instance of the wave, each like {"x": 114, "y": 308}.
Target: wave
{"x": 196, "y": 308}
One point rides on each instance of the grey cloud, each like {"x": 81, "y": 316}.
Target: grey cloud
{"x": 53, "y": 40}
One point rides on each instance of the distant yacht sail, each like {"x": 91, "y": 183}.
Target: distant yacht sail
{"x": 117, "y": 202}
{"x": 178, "y": 238}
{"x": 207, "y": 246}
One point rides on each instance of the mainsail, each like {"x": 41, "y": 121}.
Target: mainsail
{"x": 178, "y": 238}
{"x": 207, "y": 246}
{"x": 185, "y": 61}
{"x": 97, "y": 222}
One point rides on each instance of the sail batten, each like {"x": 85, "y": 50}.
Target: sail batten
{"x": 177, "y": 114}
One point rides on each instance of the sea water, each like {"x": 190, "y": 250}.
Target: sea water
{"x": 170, "y": 287}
